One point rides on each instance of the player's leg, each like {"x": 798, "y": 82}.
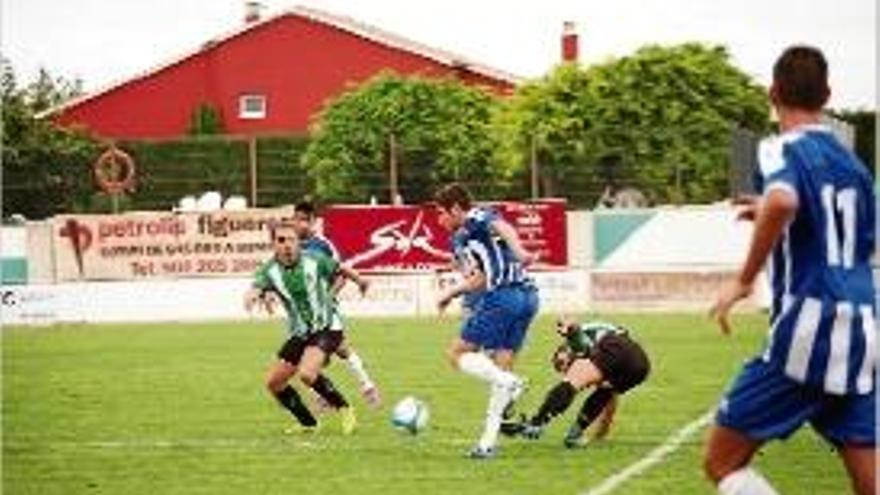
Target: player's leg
{"x": 321, "y": 345}
{"x": 277, "y": 382}
{"x": 624, "y": 365}
{"x": 513, "y": 337}
{"x": 601, "y": 403}
{"x": 606, "y": 418}
{"x": 484, "y": 329}
{"x": 850, "y": 423}
{"x": 466, "y": 356}
{"x": 581, "y": 374}
{"x": 861, "y": 464}
{"x": 726, "y": 463}
{"x": 357, "y": 368}
{"x": 762, "y": 404}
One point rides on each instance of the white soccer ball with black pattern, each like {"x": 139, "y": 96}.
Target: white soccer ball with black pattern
{"x": 410, "y": 415}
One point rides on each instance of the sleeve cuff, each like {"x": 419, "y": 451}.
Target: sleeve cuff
{"x": 781, "y": 186}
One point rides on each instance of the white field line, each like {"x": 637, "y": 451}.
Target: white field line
{"x": 670, "y": 445}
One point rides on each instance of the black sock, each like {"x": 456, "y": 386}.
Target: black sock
{"x": 325, "y": 388}
{"x": 556, "y": 402}
{"x": 292, "y": 402}
{"x": 593, "y": 406}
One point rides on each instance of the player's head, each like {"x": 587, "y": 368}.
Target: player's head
{"x": 453, "y": 202}
{"x": 800, "y": 79}
{"x": 304, "y": 218}
{"x": 565, "y": 324}
{"x": 285, "y": 242}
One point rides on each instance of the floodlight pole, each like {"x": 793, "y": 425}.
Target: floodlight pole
{"x": 534, "y": 167}
{"x": 252, "y": 165}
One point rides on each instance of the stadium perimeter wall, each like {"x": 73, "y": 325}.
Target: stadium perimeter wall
{"x": 632, "y": 260}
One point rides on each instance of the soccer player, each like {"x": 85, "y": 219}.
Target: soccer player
{"x": 310, "y": 240}
{"x": 595, "y": 354}
{"x": 302, "y": 281}
{"x": 815, "y": 220}
{"x": 491, "y": 256}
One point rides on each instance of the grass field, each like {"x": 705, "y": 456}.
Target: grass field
{"x": 180, "y": 409}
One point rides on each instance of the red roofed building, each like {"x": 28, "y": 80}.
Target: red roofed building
{"x": 270, "y": 76}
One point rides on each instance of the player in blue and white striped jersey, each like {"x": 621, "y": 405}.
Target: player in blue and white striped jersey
{"x": 311, "y": 241}
{"x": 489, "y": 252}
{"x": 815, "y": 220}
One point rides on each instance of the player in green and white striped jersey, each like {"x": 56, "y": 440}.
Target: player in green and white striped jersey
{"x": 595, "y": 354}
{"x": 301, "y": 282}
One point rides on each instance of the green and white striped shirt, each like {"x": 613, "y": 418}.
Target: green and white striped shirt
{"x": 582, "y": 339}
{"x": 305, "y": 290}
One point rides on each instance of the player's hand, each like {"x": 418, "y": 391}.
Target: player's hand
{"x": 530, "y": 258}
{"x": 363, "y": 285}
{"x": 256, "y": 298}
{"x": 269, "y": 301}
{"x": 443, "y": 302}
{"x": 732, "y": 292}
{"x": 747, "y": 207}
{"x": 251, "y": 297}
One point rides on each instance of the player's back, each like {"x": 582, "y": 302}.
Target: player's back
{"x": 831, "y": 239}
{"x": 476, "y": 241}
{"x": 823, "y": 317}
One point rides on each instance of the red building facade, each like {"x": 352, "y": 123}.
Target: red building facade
{"x": 271, "y": 76}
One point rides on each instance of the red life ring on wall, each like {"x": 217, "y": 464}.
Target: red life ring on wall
{"x": 115, "y": 171}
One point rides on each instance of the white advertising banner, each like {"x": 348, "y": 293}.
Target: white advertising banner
{"x": 145, "y": 246}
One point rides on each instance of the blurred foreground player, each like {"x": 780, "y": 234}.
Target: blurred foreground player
{"x": 815, "y": 221}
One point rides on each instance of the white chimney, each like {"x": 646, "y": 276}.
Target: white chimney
{"x": 252, "y": 11}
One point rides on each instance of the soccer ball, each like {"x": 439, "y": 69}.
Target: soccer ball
{"x": 410, "y": 414}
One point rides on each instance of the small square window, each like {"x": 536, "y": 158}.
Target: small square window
{"x": 252, "y": 106}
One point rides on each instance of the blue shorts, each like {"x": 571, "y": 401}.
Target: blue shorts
{"x": 501, "y": 317}
{"x": 765, "y": 404}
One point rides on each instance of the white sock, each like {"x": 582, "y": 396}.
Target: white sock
{"x": 494, "y": 414}
{"x": 481, "y": 367}
{"x": 356, "y": 366}
{"x": 745, "y": 481}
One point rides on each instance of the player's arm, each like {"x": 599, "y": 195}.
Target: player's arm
{"x": 345, "y": 272}
{"x": 509, "y": 235}
{"x": 772, "y": 215}
{"x": 260, "y": 293}
{"x": 472, "y": 280}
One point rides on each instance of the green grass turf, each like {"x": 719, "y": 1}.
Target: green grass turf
{"x": 180, "y": 409}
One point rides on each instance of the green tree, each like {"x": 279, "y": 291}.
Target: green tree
{"x": 865, "y": 122}
{"x": 45, "y": 168}
{"x": 205, "y": 120}
{"x": 659, "y": 120}
{"x": 439, "y": 130}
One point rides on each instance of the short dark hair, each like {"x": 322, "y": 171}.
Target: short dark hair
{"x": 276, "y": 225}
{"x": 800, "y": 76}
{"x": 453, "y": 194}
{"x": 305, "y": 206}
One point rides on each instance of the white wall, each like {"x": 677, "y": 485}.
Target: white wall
{"x": 206, "y": 299}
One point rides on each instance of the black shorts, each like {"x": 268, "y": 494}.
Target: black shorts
{"x": 621, "y": 360}
{"x": 326, "y": 340}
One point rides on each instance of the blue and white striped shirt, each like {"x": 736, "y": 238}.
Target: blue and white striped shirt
{"x": 823, "y": 329}
{"x": 317, "y": 243}
{"x": 475, "y": 244}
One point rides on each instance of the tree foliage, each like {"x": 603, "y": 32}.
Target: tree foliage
{"x": 864, "y": 122}
{"x": 205, "y": 120}
{"x": 45, "y": 168}
{"x": 438, "y": 129}
{"x": 659, "y": 120}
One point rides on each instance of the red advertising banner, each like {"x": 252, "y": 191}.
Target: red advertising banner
{"x": 410, "y": 237}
